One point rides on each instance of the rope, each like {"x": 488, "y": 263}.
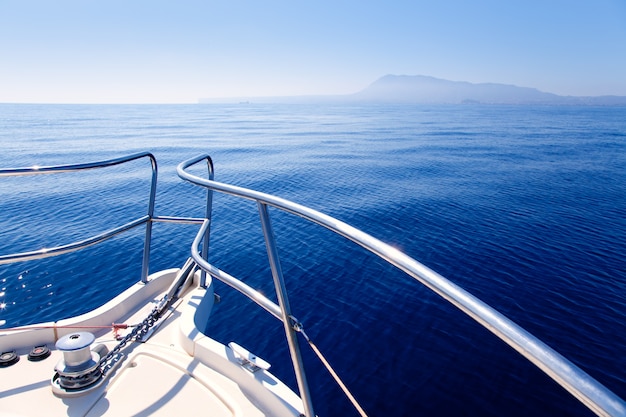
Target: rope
{"x": 332, "y": 372}
{"x": 111, "y": 326}
{"x": 115, "y": 328}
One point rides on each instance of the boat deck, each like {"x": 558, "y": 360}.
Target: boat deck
{"x": 177, "y": 371}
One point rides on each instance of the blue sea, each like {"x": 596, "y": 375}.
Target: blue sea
{"x": 523, "y": 206}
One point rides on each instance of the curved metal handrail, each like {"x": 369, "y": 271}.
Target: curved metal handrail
{"x": 98, "y": 238}
{"x": 256, "y": 296}
{"x": 38, "y": 170}
{"x": 72, "y": 247}
{"x": 147, "y": 219}
{"x": 582, "y": 386}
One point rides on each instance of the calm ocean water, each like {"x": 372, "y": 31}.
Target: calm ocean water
{"x": 523, "y": 206}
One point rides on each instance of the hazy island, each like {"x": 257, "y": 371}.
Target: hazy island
{"x": 421, "y": 89}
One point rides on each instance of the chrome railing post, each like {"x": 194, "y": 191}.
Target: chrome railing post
{"x": 208, "y": 213}
{"x": 283, "y": 302}
{"x": 145, "y": 264}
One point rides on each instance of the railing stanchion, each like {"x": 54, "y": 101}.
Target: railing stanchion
{"x": 208, "y": 213}
{"x": 283, "y": 302}
{"x": 145, "y": 264}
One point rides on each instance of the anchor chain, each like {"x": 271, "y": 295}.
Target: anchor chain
{"x": 139, "y": 331}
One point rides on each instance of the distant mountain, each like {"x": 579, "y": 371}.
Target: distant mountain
{"x": 421, "y": 89}
{"x": 424, "y": 89}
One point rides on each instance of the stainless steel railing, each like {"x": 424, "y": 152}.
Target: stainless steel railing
{"x": 582, "y": 386}
{"x": 148, "y": 219}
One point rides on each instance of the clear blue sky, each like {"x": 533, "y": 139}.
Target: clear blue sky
{"x": 181, "y": 50}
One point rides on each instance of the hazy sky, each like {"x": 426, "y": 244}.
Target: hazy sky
{"x": 112, "y": 51}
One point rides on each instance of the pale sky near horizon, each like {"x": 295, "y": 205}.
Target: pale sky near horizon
{"x": 140, "y": 51}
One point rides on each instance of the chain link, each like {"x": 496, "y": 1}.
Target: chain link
{"x": 111, "y": 358}
{"x": 138, "y": 332}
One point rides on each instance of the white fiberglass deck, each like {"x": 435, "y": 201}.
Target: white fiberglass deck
{"x": 178, "y": 371}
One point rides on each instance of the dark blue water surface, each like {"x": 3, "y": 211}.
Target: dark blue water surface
{"x": 525, "y": 207}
